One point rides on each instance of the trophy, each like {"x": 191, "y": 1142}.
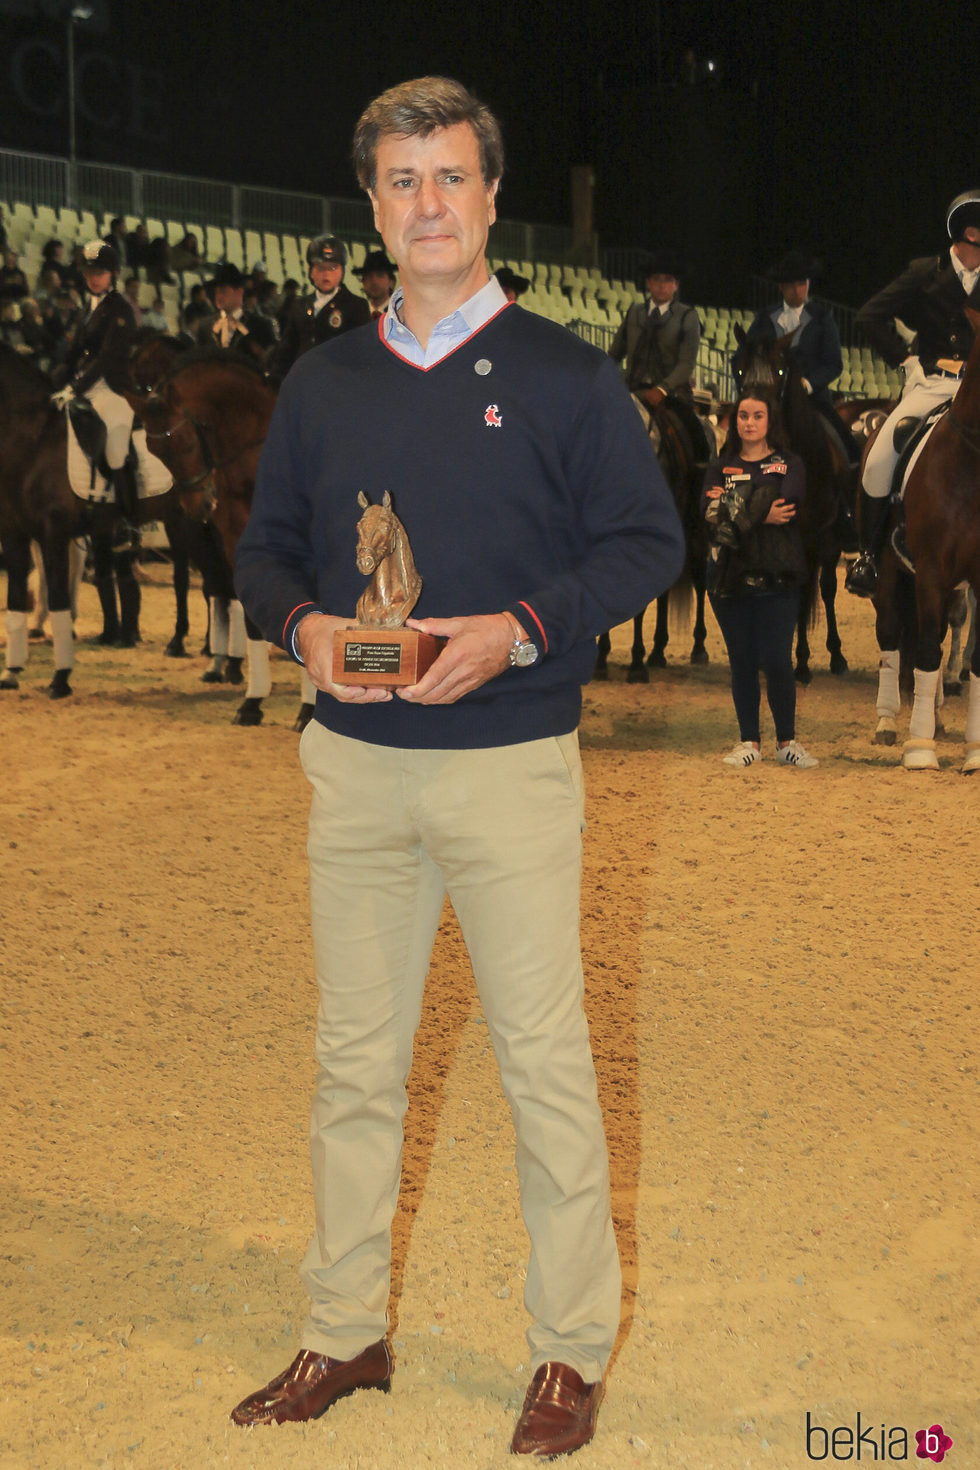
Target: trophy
{"x": 380, "y": 650}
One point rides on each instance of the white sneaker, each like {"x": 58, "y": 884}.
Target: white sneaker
{"x": 793, "y": 754}
{"x": 743, "y": 754}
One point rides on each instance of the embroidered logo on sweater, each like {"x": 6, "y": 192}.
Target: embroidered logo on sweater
{"x": 492, "y": 417}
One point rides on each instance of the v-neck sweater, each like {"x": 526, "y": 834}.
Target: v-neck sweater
{"x": 521, "y": 472}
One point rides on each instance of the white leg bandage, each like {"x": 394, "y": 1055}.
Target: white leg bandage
{"x": 259, "y": 673}
{"x": 307, "y": 688}
{"x": 889, "y": 700}
{"x": 922, "y": 725}
{"x": 64, "y": 650}
{"x": 16, "y": 640}
{"x": 973, "y": 712}
{"x": 219, "y": 627}
{"x": 237, "y": 640}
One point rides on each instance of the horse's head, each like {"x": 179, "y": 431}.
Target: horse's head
{"x": 179, "y": 439}
{"x": 763, "y": 362}
{"x": 375, "y": 535}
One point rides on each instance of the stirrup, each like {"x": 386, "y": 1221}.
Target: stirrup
{"x": 862, "y": 576}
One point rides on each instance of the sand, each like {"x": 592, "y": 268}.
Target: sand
{"x": 782, "y": 986}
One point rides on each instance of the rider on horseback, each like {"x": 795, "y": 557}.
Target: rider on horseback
{"x": 929, "y": 298}
{"x": 97, "y": 367}
{"x": 659, "y": 338}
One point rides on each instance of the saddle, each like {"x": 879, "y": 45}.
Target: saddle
{"x": 90, "y": 436}
{"x": 909, "y": 438}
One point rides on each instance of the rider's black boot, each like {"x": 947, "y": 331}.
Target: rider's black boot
{"x": 124, "y": 534}
{"x": 862, "y": 576}
{"x": 130, "y": 600}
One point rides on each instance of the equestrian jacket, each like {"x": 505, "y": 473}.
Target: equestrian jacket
{"x": 929, "y": 298}
{"x": 815, "y": 344}
{"x": 525, "y": 482}
{"x": 660, "y": 351}
{"x": 306, "y": 327}
{"x": 101, "y": 345}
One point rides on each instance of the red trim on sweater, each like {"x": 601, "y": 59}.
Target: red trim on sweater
{"x": 292, "y": 615}
{"x": 538, "y": 622}
{"x": 396, "y": 353}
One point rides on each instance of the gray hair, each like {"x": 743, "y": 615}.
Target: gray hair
{"x": 418, "y": 108}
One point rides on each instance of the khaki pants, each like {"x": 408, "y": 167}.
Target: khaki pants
{"x": 391, "y": 832}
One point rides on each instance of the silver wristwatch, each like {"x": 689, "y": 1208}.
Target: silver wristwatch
{"x": 522, "y": 653}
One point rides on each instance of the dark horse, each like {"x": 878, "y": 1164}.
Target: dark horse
{"x": 942, "y": 532}
{"x": 38, "y": 504}
{"x": 207, "y": 420}
{"x": 830, "y": 484}
{"x": 677, "y": 456}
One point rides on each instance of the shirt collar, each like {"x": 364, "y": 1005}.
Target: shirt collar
{"x": 968, "y": 279}
{"x": 460, "y": 324}
{"x": 324, "y": 298}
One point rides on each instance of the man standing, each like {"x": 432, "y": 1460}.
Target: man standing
{"x": 538, "y": 517}
{"x": 929, "y": 298}
{"x": 326, "y": 311}
{"x": 378, "y": 280}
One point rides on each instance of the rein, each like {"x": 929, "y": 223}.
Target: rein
{"x": 211, "y": 465}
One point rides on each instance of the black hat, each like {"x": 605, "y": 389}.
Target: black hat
{"x": 511, "y": 280}
{"x": 964, "y": 211}
{"x": 326, "y": 250}
{"x": 376, "y": 260}
{"x": 795, "y": 265}
{"x": 228, "y": 275}
{"x": 663, "y": 263}
{"x": 98, "y": 256}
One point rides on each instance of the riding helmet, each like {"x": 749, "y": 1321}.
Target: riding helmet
{"x": 326, "y": 250}
{"x": 99, "y": 256}
{"x": 964, "y": 211}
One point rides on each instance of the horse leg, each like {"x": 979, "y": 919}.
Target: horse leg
{"x": 237, "y": 643}
{"x": 661, "y": 635}
{"x": 636, "y": 673}
{"x": 55, "y": 552}
{"x": 36, "y": 631}
{"x": 802, "y": 669}
{"x": 17, "y": 552}
{"x": 920, "y": 748}
{"x": 259, "y": 684}
{"x": 828, "y": 593}
{"x": 972, "y": 761}
{"x": 888, "y": 634}
{"x": 218, "y": 639}
{"x": 182, "y": 582}
{"x": 971, "y": 641}
{"x": 77, "y": 557}
{"x": 699, "y": 653}
{"x": 958, "y": 614}
{"x": 130, "y": 599}
{"x": 308, "y": 705}
{"x": 603, "y": 644}
{"x": 105, "y": 586}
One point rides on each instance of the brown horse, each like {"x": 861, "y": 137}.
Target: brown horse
{"x": 207, "y": 420}
{"x": 38, "y": 504}
{"x": 942, "y": 532}
{"x": 830, "y": 485}
{"x": 677, "y": 455}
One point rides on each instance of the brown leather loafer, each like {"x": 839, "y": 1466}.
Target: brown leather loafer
{"x": 559, "y": 1413}
{"x": 312, "y": 1383}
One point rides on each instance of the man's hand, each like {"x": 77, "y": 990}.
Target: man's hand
{"x": 478, "y": 650}
{"x": 63, "y": 397}
{"x": 314, "y": 641}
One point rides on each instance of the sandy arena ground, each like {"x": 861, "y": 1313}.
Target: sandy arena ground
{"x": 782, "y": 986}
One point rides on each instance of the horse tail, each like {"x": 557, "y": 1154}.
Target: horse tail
{"x": 680, "y": 601}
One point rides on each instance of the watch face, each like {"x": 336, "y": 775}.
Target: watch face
{"x": 525, "y": 654}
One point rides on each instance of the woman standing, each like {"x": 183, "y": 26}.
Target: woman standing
{"x": 756, "y": 569}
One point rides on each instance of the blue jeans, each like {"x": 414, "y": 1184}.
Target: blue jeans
{"x": 758, "y": 631}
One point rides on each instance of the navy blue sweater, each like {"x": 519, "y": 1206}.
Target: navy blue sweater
{"x": 531, "y": 487}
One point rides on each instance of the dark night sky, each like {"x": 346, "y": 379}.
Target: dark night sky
{"x": 845, "y": 128}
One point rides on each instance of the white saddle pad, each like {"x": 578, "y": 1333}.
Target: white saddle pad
{"x": 152, "y": 476}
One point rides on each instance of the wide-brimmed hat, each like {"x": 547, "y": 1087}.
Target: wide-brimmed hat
{"x": 796, "y": 265}
{"x": 510, "y": 280}
{"x": 376, "y": 261}
{"x": 663, "y": 263}
{"x": 228, "y": 275}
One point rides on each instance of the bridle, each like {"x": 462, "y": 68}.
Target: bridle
{"x": 204, "y": 482}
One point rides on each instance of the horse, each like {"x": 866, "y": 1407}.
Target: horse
{"x": 38, "y": 504}
{"x": 384, "y": 555}
{"x": 677, "y": 455}
{"x": 207, "y": 419}
{"x": 830, "y": 485}
{"x": 942, "y": 534}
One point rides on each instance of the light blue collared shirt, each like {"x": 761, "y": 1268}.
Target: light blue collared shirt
{"x": 447, "y": 334}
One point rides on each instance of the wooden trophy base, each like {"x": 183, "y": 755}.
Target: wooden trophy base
{"x": 384, "y": 656}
